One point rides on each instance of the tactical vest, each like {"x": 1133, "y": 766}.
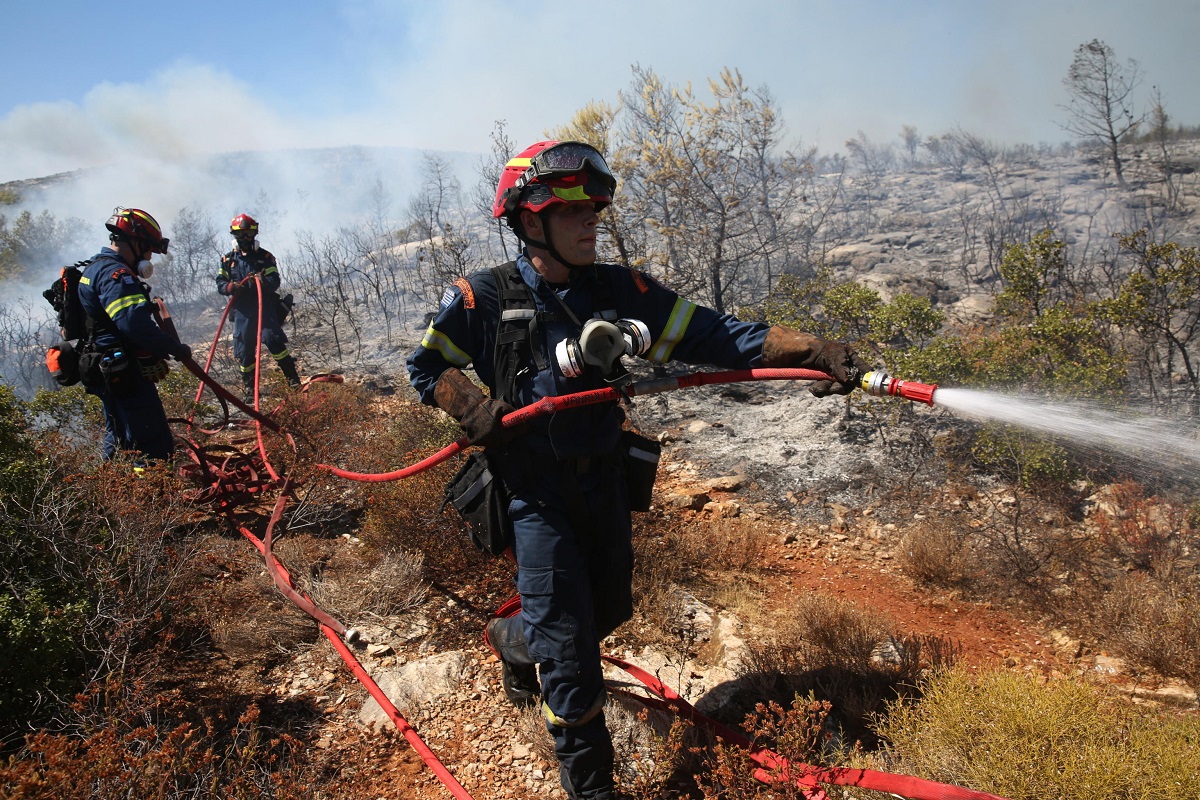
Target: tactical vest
{"x": 519, "y": 350}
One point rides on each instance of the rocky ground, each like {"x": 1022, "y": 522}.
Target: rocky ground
{"x": 768, "y": 453}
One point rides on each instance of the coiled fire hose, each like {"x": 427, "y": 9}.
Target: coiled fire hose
{"x": 220, "y": 479}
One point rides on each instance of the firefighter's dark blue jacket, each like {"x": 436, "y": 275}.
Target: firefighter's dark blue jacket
{"x": 463, "y": 333}
{"x": 108, "y": 288}
{"x": 236, "y": 266}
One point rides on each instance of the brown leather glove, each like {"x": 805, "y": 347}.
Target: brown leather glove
{"x": 478, "y": 414}
{"x": 785, "y": 347}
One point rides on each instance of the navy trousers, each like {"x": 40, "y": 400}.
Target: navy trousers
{"x": 135, "y": 420}
{"x": 573, "y": 543}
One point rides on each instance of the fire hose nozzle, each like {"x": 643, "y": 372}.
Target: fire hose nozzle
{"x": 880, "y": 384}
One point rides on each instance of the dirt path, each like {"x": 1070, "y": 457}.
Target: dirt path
{"x": 988, "y": 637}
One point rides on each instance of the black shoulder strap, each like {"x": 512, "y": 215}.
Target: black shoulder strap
{"x": 517, "y": 340}
{"x": 604, "y": 299}
{"x": 91, "y": 325}
{"x": 515, "y": 330}
{"x": 103, "y": 323}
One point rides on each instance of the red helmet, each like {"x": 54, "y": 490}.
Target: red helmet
{"x": 243, "y": 223}
{"x": 551, "y": 172}
{"x": 135, "y": 224}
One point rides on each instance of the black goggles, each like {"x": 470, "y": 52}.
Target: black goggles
{"x": 567, "y": 158}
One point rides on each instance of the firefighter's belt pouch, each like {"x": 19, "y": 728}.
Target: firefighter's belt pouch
{"x": 640, "y": 459}
{"x": 62, "y": 360}
{"x": 119, "y": 371}
{"x": 89, "y": 368}
{"x": 481, "y": 499}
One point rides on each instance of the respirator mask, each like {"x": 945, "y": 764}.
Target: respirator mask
{"x": 145, "y": 268}
{"x": 601, "y": 344}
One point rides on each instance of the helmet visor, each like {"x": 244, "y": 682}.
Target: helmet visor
{"x": 568, "y": 158}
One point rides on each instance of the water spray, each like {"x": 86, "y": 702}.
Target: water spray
{"x": 880, "y": 384}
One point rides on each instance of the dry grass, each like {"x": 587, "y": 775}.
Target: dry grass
{"x": 392, "y": 585}
{"x": 1124, "y": 576}
{"x": 1156, "y": 623}
{"x": 934, "y": 553}
{"x": 830, "y": 650}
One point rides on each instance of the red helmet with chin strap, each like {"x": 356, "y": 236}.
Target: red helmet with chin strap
{"x": 243, "y": 223}
{"x": 133, "y": 224}
{"x": 552, "y": 172}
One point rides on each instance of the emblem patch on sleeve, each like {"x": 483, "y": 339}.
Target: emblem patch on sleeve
{"x": 464, "y": 286}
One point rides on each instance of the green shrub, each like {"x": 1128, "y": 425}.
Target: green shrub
{"x": 1026, "y": 460}
{"x": 1013, "y": 735}
{"x": 41, "y": 609}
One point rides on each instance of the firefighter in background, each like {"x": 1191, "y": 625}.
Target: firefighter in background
{"x": 127, "y": 349}
{"x": 571, "y": 506}
{"x": 247, "y": 259}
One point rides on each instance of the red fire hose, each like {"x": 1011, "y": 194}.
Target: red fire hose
{"x": 551, "y": 405}
{"x": 877, "y": 383}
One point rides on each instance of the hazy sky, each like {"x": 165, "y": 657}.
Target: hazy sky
{"x": 165, "y": 80}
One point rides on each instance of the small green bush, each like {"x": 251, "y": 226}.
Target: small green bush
{"x": 1010, "y": 734}
{"x": 42, "y": 613}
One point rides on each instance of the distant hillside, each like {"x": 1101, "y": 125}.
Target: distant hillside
{"x": 315, "y": 190}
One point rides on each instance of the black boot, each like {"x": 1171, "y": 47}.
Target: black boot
{"x": 248, "y": 387}
{"x": 518, "y": 672}
{"x": 288, "y": 365}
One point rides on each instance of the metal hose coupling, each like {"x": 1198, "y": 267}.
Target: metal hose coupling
{"x": 880, "y": 384}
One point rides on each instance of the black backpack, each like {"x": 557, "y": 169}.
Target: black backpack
{"x": 63, "y": 295}
{"x": 62, "y": 359}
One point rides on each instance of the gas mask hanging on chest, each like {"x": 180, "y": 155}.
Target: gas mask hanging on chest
{"x": 601, "y": 345}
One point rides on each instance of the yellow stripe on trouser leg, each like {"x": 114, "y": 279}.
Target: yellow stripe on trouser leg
{"x": 587, "y": 717}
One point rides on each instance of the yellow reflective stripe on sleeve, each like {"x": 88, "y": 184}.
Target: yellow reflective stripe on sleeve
{"x": 436, "y": 340}
{"x": 122, "y": 303}
{"x": 270, "y": 271}
{"x": 677, "y": 325}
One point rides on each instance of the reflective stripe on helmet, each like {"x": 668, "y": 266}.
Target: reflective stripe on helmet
{"x": 571, "y": 194}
